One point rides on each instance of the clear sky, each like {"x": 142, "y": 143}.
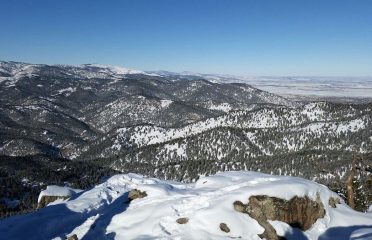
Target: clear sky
{"x": 246, "y": 37}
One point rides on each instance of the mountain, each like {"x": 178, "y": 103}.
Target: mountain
{"x": 47, "y": 109}
{"x": 131, "y": 206}
{"x": 77, "y": 125}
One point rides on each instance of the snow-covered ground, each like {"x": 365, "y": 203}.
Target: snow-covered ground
{"x": 102, "y": 212}
{"x": 58, "y": 191}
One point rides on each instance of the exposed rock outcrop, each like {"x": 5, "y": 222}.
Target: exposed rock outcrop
{"x": 299, "y": 212}
{"x": 73, "y": 237}
{"x": 333, "y": 202}
{"x": 183, "y": 220}
{"x": 45, "y": 200}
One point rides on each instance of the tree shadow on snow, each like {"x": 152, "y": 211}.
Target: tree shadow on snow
{"x": 344, "y": 233}
{"x": 294, "y": 234}
{"x": 42, "y": 224}
{"x": 46, "y": 222}
{"x": 98, "y": 228}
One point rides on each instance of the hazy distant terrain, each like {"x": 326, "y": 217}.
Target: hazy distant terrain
{"x": 314, "y": 88}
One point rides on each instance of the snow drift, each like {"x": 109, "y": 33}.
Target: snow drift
{"x": 205, "y": 208}
{"x": 53, "y": 193}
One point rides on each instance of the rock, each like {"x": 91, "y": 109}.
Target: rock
{"x": 333, "y": 201}
{"x": 73, "y": 237}
{"x": 224, "y": 227}
{"x": 239, "y": 206}
{"x": 53, "y": 193}
{"x": 45, "y": 200}
{"x": 135, "y": 193}
{"x": 183, "y": 220}
{"x": 299, "y": 212}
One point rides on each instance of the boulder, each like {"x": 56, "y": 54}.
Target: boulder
{"x": 333, "y": 202}
{"x": 224, "y": 227}
{"x": 183, "y": 220}
{"x": 298, "y": 212}
{"x": 73, "y": 237}
{"x": 239, "y": 206}
{"x": 135, "y": 193}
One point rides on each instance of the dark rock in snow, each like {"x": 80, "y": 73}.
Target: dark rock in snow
{"x": 135, "y": 193}
{"x": 224, "y": 227}
{"x": 183, "y": 220}
{"x": 73, "y": 237}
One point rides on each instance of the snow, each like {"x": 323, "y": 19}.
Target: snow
{"x": 114, "y": 69}
{"x": 165, "y": 103}
{"x": 294, "y": 85}
{"x": 178, "y": 149}
{"x": 313, "y": 111}
{"x": 353, "y": 125}
{"x": 101, "y": 212}
{"x": 68, "y": 90}
{"x": 16, "y": 72}
{"x": 296, "y": 120}
{"x": 53, "y": 190}
{"x": 363, "y": 233}
{"x": 225, "y": 107}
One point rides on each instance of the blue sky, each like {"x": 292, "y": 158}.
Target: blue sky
{"x": 260, "y": 37}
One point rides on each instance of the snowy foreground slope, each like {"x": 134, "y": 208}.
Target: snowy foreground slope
{"x": 104, "y": 212}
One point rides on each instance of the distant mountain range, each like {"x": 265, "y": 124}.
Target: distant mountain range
{"x": 51, "y": 109}
{"x": 170, "y": 126}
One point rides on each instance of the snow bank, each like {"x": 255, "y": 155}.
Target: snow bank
{"x": 362, "y": 233}
{"x": 57, "y": 191}
{"x": 102, "y": 212}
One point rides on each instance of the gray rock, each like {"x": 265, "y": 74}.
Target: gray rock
{"x": 239, "y": 206}
{"x": 183, "y": 220}
{"x": 135, "y": 193}
{"x": 224, "y": 227}
{"x": 333, "y": 202}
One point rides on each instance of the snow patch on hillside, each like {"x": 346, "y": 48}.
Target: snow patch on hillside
{"x": 256, "y": 119}
{"x": 313, "y": 111}
{"x": 225, "y": 107}
{"x": 165, "y": 103}
{"x": 16, "y": 71}
{"x": 67, "y": 91}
